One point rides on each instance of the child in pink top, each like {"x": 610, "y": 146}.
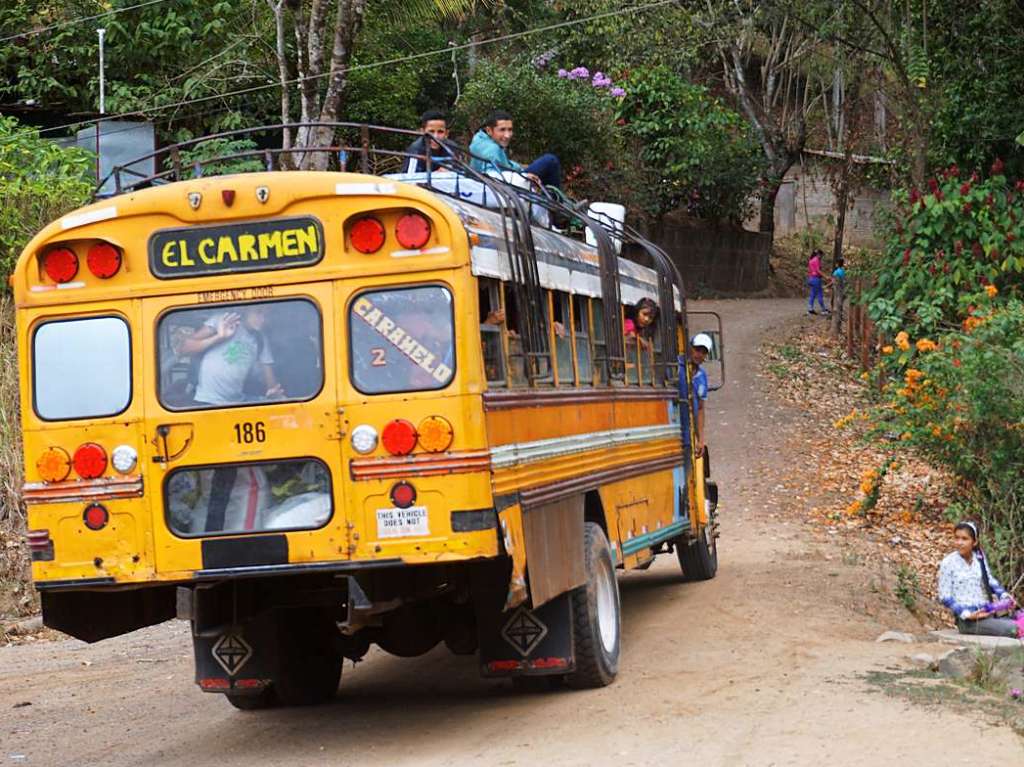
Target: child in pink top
{"x": 814, "y": 280}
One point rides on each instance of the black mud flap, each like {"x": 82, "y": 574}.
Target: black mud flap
{"x": 528, "y": 642}
{"x": 237, "y": 658}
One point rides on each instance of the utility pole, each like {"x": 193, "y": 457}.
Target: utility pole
{"x": 103, "y": 101}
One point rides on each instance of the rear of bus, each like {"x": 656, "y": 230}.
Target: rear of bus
{"x": 253, "y": 401}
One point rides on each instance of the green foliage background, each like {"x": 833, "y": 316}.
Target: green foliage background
{"x": 39, "y": 181}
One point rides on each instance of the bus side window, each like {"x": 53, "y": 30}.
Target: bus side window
{"x": 631, "y": 345}
{"x": 600, "y": 346}
{"x": 492, "y": 322}
{"x": 581, "y": 340}
{"x": 561, "y": 329}
{"x": 516, "y": 355}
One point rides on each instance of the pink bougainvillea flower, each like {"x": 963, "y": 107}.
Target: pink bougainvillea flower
{"x": 997, "y": 167}
{"x": 563, "y": 73}
{"x": 965, "y": 187}
{"x": 933, "y": 184}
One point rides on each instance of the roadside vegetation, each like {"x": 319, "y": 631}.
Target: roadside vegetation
{"x": 39, "y": 181}
{"x": 946, "y": 295}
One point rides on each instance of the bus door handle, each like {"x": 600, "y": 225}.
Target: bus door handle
{"x": 167, "y": 443}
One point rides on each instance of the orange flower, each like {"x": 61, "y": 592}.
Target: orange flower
{"x": 903, "y": 340}
{"x": 913, "y": 378}
{"x": 886, "y": 350}
{"x": 992, "y": 291}
{"x": 926, "y": 345}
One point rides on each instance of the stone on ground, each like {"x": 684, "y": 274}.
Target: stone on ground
{"x": 896, "y": 636}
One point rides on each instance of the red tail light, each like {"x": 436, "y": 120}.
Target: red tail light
{"x": 95, "y": 516}
{"x": 90, "y": 461}
{"x": 103, "y": 260}
{"x": 413, "y": 231}
{"x": 399, "y": 437}
{"x": 403, "y": 495}
{"x": 367, "y": 235}
{"x": 60, "y": 265}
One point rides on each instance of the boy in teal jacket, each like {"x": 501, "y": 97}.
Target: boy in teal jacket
{"x": 490, "y": 152}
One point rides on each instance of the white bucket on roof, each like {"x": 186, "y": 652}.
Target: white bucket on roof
{"x": 610, "y": 213}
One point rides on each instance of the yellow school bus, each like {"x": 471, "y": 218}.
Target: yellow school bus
{"x": 313, "y": 411}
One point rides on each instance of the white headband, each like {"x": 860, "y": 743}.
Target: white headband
{"x": 973, "y": 527}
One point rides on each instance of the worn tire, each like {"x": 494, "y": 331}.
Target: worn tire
{"x": 597, "y": 624}
{"x": 698, "y": 558}
{"x": 310, "y": 664}
{"x": 262, "y": 699}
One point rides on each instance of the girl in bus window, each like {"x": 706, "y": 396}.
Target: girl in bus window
{"x": 640, "y": 321}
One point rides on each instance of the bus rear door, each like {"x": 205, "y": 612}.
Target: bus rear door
{"x": 243, "y": 431}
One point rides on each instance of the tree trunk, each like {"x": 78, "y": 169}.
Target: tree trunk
{"x": 767, "y": 223}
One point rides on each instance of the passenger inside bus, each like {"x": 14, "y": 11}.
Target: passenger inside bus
{"x": 240, "y": 354}
{"x": 232, "y": 346}
{"x": 640, "y": 321}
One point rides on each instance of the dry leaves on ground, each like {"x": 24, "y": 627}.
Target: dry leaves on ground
{"x": 905, "y": 527}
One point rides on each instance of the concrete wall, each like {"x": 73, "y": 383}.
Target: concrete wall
{"x": 806, "y": 197}
{"x": 723, "y": 259}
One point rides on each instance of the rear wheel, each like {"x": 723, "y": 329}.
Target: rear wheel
{"x": 252, "y": 702}
{"x": 699, "y": 557}
{"x": 310, "y": 663}
{"x": 595, "y": 614}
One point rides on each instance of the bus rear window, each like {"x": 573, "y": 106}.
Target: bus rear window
{"x": 81, "y": 368}
{"x": 248, "y": 498}
{"x": 402, "y": 340}
{"x": 240, "y": 354}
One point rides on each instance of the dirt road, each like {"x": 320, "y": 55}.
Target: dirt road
{"x": 765, "y": 665}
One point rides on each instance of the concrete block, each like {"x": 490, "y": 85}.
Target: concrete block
{"x": 1000, "y": 646}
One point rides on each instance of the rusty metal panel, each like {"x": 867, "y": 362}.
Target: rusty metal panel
{"x": 554, "y": 548}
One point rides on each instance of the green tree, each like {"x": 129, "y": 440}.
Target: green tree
{"x": 570, "y": 118}
{"x": 697, "y": 152}
{"x": 156, "y": 56}
{"x": 39, "y": 181}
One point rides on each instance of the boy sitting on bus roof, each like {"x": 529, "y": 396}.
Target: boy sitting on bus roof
{"x": 434, "y": 123}
{"x": 490, "y": 152}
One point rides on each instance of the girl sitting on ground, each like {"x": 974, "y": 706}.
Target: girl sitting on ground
{"x": 966, "y": 587}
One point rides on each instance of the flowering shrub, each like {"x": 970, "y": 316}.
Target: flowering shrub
{"x": 958, "y": 399}
{"x": 600, "y": 80}
{"x": 945, "y": 246}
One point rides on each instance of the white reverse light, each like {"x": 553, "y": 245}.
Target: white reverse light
{"x": 124, "y": 458}
{"x": 364, "y": 439}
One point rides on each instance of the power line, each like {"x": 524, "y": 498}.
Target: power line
{"x": 72, "y": 22}
{"x": 447, "y": 50}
